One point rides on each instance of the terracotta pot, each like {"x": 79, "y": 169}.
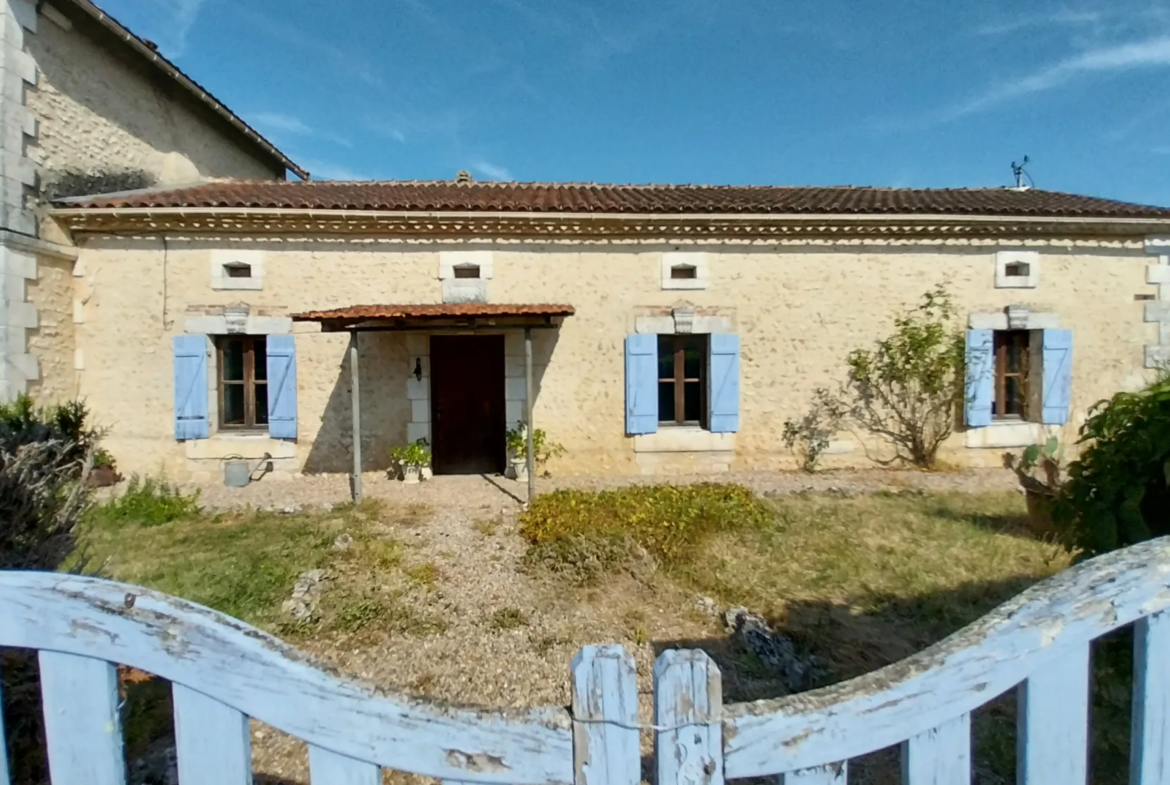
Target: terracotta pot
{"x": 1040, "y": 513}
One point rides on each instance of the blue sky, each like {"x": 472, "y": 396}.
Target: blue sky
{"x": 908, "y": 93}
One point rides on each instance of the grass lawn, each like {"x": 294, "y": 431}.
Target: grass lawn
{"x": 862, "y": 581}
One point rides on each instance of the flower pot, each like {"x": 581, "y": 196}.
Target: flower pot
{"x": 425, "y": 473}
{"x": 410, "y": 474}
{"x": 1040, "y": 513}
{"x": 517, "y": 468}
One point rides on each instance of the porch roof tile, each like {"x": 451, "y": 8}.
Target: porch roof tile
{"x": 435, "y": 310}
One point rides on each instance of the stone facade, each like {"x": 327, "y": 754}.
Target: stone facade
{"x": 798, "y": 308}
{"x": 76, "y": 116}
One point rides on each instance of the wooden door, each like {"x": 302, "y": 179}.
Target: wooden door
{"x": 467, "y": 404}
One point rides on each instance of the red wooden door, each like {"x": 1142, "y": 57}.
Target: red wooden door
{"x": 467, "y": 404}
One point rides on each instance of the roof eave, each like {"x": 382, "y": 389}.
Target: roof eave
{"x": 164, "y": 66}
{"x": 446, "y": 223}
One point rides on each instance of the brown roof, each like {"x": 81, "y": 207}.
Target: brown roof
{"x": 446, "y": 310}
{"x": 440, "y": 196}
{"x": 148, "y": 54}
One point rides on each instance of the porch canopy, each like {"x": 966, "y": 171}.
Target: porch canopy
{"x": 436, "y": 317}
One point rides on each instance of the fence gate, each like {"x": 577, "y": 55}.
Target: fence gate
{"x": 224, "y": 672}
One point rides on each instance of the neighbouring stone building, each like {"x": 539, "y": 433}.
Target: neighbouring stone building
{"x": 675, "y": 328}
{"x": 88, "y": 107}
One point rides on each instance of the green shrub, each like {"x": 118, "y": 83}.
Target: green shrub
{"x": 668, "y": 522}
{"x": 1118, "y": 490}
{"x": 21, "y": 422}
{"x": 907, "y": 388}
{"x": 147, "y": 502}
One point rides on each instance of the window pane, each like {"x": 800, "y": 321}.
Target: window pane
{"x": 261, "y": 404}
{"x": 233, "y": 360}
{"x": 665, "y": 357}
{"x": 666, "y": 402}
{"x": 260, "y": 357}
{"x": 692, "y": 398}
{"x": 1014, "y": 405}
{"x": 233, "y": 404}
{"x": 692, "y": 361}
{"x": 1015, "y": 356}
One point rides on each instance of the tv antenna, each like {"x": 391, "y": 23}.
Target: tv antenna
{"x": 1021, "y": 174}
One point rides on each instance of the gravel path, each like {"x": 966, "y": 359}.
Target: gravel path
{"x": 475, "y": 494}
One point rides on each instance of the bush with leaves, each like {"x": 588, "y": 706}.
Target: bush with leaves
{"x": 1118, "y": 490}
{"x": 810, "y": 435}
{"x": 907, "y": 389}
{"x": 22, "y": 422}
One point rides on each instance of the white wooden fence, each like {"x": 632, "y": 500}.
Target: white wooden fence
{"x": 224, "y": 672}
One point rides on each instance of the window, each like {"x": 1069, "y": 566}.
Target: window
{"x": 1017, "y": 270}
{"x": 238, "y": 270}
{"x": 466, "y": 271}
{"x": 1010, "y": 393}
{"x": 682, "y": 377}
{"x": 683, "y": 272}
{"x": 243, "y": 381}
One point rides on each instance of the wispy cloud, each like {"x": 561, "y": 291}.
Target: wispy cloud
{"x": 326, "y": 170}
{"x": 1062, "y": 17}
{"x": 277, "y": 124}
{"x": 1150, "y": 53}
{"x": 1162, "y": 149}
{"x": 274, "y": 121}
{"x": 186, "y": 12}
{"x": 491, "y": 171}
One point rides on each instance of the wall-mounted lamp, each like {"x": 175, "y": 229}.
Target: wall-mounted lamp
{"x": 418, "y": 368}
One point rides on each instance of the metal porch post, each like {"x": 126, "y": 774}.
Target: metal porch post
{"x": 355, "y": 404}
{"x": 531, "y": 458}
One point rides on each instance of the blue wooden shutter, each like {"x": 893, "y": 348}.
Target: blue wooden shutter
{"x": 723, "y": 384}
{"x": 641, "y": 384}
{"x": 1057, "y": 390}
{"x": 191, "y": 421}
{"x": 282, "y": 387}
{"x": 980, "y": 377}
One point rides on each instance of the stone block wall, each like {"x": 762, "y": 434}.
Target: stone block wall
{"x": 799, "y": 309}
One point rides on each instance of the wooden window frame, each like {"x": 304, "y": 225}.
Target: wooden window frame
{"x": 249, "y": 383}
{"x": 679, "y": 378}
{"x": 1002, "y": 339}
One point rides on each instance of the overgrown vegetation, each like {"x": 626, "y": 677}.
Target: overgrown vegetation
{"x": 585, "y": 533}
{"x": 42, "y": 456}
{"x": 810, "y": 436}
{"x": 1118, "y": 490}
{"x": 907, "y": 389}
{"x": 147, "y": 502}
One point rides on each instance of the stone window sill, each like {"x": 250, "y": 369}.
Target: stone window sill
{"x": 1007, "y": 433}
{"x": 249, "y": 445}
{"x": 684, "y": 438}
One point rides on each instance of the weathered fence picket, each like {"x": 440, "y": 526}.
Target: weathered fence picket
{"x": 224, "y": 673}
{"x": 212, "y": 740}
{"x": 1150, "y": 743}
{"x": 82, "y": 725}
{"x": 1053, "y": 721}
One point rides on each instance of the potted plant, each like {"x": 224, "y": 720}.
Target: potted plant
{"x": 516, "y": 440}
{"x": 1041, "y": 478}
{"x": 104, "y": 471}
{"x": 409, "y": 460}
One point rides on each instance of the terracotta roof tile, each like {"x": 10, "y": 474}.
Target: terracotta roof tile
{"x": 445, "y": 310}
{"x": 451, "y": 196}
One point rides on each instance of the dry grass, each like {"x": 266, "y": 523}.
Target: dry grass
{"x": 896, "y": 571}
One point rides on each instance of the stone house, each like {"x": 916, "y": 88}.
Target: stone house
{"x": 671, "y": 328}
{"x": 88, "y": 107}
